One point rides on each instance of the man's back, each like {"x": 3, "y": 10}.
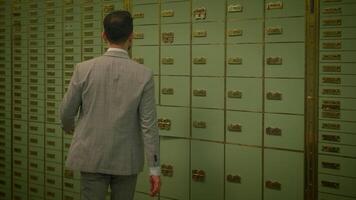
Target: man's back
{"x": 111, "y": 89}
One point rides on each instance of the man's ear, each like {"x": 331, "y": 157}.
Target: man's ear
{"x": 103, "y": 35}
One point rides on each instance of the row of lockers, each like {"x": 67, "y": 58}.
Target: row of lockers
{"x": 202, "y": 11}
{"x": 249, "y": 31}
{"x": 242, "y": 172}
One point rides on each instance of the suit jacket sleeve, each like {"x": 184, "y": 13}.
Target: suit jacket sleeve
{"x": 148, "y": 121}
{"x": 71, "y": 103}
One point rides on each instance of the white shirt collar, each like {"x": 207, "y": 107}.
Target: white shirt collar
{"x": 117, "y": 49}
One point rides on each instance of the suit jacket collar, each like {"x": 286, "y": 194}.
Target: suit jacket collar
{"x": 118, "y": 54}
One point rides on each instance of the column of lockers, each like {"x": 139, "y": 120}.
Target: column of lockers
{"x": 72, "y": 51}
{"x": 284, "y": 99}
{"x": 244, "y": 100}
{"x": 146, "y": 39}
{"x": 337, "y": 101}
{"x": 5, "y": 100}
{"x": 174, "y": 94}
{"x": 36, "y": 88}
{"x": 20, "y": 99}
{"x": 53, "y": 138}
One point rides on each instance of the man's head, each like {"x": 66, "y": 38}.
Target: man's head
{"x": 118, "y": 28}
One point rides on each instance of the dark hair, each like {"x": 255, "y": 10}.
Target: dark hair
{"x": 118, "y": 26}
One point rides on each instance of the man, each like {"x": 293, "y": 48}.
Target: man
{"x": 112, "y": 98}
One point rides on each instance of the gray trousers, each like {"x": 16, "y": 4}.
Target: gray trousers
{"x": 94, "y": 186}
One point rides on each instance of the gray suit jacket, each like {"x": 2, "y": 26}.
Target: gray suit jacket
{"x": 112, "y": 98}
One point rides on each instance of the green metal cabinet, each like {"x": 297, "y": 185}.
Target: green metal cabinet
{"x": 331, "y": 45}
{"x": 53, "y": 156}
{"x": 286, "y": 8}
{"x": 175, "y": 90}
{"x": 341, "y": 80}
{"x": 35, "y": 191}
{"x": 208, "y": 10}
{"x": 336, "y": 21}
{"x": 208, "y": 33}
{"x": 208, "y": 92}
{"x": 286, "y": 185}
{"x": 175, "y": 171}
{"x": 36, "y": 153}
{"x": 337, "y": 185}
{"x": 244, "y": 60}
{"x": 334, "y": 91}
{"x": 285, "y": 60}
{"x": 337, "y": 33}
{"x": 175, "y": 34}
{"x": 326, "y": 196}
{"x": 20, "y": 174}
{"x": 207, "y": 170}
{"x": 243, "y": 172}
{"x": 54, "y": 143}
{"x": 138, "y": 2}
{"x": 208, "y": 60}
{"x": 53, "y": 193}
{"x": 248, "y": 31}
{"x": 244, "y": 9}
{"x": 338, "y": 166}
{"x": 173, "y": 121}
{"x": 284, "y": 131}
{"x": 284, "y": 96}
{"x": 285, "y": 30}
{"x": 239, "y": 95}
{"x": 175, "y": 12}
{"x": 175, "y": 60}
{"x": 344, "y": 115}
{"x": 140, "y": 55}
{"x": 36, "y": 140}
{"x": 36, "y": 165}
{"x": 145, "y": 14}
{"x": 337, "y": 126}
{"x": 208, "y": 124}
{"x": 337, "y": 149}
{"x": 337, "y": 56}
{"x": 146, "y": 35}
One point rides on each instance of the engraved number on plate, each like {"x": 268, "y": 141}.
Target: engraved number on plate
{"x": 234, "y": 94}
{"x": 199, "y": 124}
{"x": 200, "y": 61}
{"x": 235, "y": 127}
{"x": 167, "y": 61}
{"x": 274, "y": 60}
{"x": 168, "y": 37}
{"x": 200, "y": 13}
{"x": 200, "y": 93}
{"x": 234, "y": 61}
{"x": 331, "y": 149}
{"x": 332, "y": 34}
{"x": 233, "y": 8}
{"x": 200, "y": 33}
{"x": 167, "y": 13}
{"x": 167, "y": 91}
{"x": 139, "y": 35}
{"x": 274, "y": 5}
{"x": 234, "y": 32}
{"x": 274, "y": 96}
{"x": 274, "y": 30}
{"x": 274, "y": 185}
{"x": 138, "y": 15}
{"x": 273, "y": 131}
